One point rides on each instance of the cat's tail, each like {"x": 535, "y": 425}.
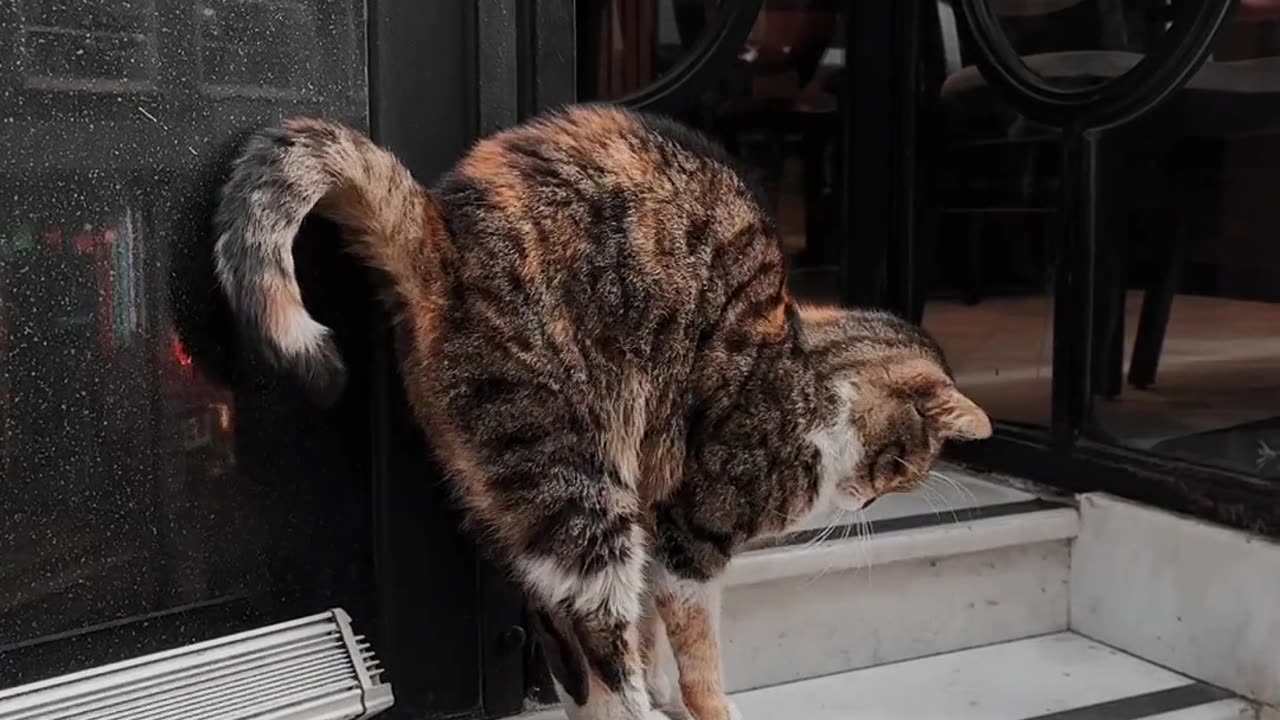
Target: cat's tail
{"x": 281, "y": 176}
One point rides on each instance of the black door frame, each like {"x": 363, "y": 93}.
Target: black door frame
{"x": 441, "y": 76}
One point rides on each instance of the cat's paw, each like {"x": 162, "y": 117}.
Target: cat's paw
{"x": 722, "y": 709}
{"x": 676, "y": 712}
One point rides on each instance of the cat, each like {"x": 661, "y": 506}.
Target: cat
{"x": 595, "y": 334}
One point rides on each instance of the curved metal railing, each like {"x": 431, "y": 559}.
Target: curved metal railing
{"x": 1163, "y": 70}
{"x": 709, "y": 58}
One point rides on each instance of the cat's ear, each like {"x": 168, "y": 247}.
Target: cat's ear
{"x": 956, "y": 416}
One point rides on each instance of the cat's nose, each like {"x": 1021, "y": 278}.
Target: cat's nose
{"x": 868, "y": 503}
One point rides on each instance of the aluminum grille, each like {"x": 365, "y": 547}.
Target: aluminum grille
{"x": 314, "y": 668}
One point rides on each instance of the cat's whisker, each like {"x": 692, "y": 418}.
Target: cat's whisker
{"x": 964, "y": 492}
{"x": 839, "y": 521}
{"x": 825, "y": 532}
{"x": 960, "y": 487}
{"x": 928, "y": 488}
{"x": 867, "y": 532}
{"x": 849, "y": 528}
{"x": 928, "y": 493}
{"x": 905, "y": 464}
{"x": 942, "y": 497}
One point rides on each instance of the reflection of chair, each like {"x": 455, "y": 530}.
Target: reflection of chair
{"x": 1227, "y": 99}
{"x": 995, "y": 164}
{"x": 619, "y": 46}
{"x": 776, "y": 92}
{"x": 754, "y": 73}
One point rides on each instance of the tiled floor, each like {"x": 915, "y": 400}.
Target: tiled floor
{"x": 1059, "y": 676}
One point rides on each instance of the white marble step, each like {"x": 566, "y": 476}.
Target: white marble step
{"x": 1062, "y": 676}
{"x": 990, "y": 565}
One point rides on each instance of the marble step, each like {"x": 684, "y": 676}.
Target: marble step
{"x": 1056, "y": 677}
{"x": 981, "y": 565}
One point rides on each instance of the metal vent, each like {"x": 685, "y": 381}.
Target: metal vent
{"x": 313, "y": 668}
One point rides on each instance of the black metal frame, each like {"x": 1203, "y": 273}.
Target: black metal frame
{"x": 1081, "y": 114}
{"x": 707, "y": 60}
{"x": 453, "y": 626}
{"x": 1161, "y": 72}
{"x": 880, "y": 200}
{"x": 426, "y": 569}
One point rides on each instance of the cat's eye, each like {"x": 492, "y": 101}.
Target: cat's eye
{"x": 890, "y": 460}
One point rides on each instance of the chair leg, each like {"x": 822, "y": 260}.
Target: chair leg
{"x": 1153, "y": 322}
{"x": 816, "y": 208}
{"x": 973, "y": 259}
{"x": 1198, "y": 191}
{"x": 1109, "y": 320}
{"x": 924, "y": 263}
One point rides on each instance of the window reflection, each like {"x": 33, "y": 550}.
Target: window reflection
{"x": 132, "y": 483}
{"x": 1186, "y": 358}
{"x": 146, "y": 504}
{"x": 1193, "y": 323}
{"x": 987, "y": 260}
{"x": 776, "y": 106}
{"x": 110, "y": 45}
{"x": 256, "y": 47}
{"x": 81, "y": 429}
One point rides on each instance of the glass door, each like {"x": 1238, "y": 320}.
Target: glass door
{"x": 1131, "y": 140}
{"x": 159, "y": 488}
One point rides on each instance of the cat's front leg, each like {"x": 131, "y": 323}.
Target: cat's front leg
{"x": 690, "y": 609}
{"x": 582, "y": 693}
{"x": 616, "y": 683}
{"x": 655, "y": 651}
{"x": 592, "y": 597}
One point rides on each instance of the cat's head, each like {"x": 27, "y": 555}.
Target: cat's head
{"x": 892, "y": 403}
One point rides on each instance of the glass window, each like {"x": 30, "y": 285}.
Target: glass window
{"x": 1183, "y": 354}
{"x": 771, "y": 92}
{"x": 1193, "y": 265}
{"x": 158, "y": 488}
{"x": 988, "y": 189}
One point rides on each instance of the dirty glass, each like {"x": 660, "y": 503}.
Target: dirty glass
{"x": 156, "y": 485}
{"x": 1190, "y": 267}
{"x": 776, "y": 104}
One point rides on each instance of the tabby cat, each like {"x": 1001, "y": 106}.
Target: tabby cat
{"x": 596, "y": 336}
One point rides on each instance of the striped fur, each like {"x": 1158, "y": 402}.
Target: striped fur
{"x": 281, "y": 176}
{"x": 596, "y": 336}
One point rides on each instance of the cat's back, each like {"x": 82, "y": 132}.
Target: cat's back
{"x": 597, "y": 157}
{"x": 610, "y": 220}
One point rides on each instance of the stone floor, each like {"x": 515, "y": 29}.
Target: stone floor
{"x": 1057, "y": 676}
